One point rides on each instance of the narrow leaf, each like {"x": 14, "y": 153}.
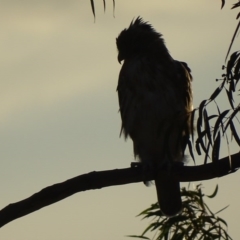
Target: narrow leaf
{"x": 212, "y": 116}
{"x": 216, "y": 148}
{"x": 219, "y": 121}
{"x": 217, "y": 108}
{"x": 200, "y": 140}
{"x": 215, "y": 93}
{"x": 238, "y": 15}
{"x": 113, "y": 8}
{"x": 220, "y": 219}
{"x": 223, "y": 3}
{"x": 233, "y": 38}
{"x": 234, "y": 132}
{"x": 232, "y": 85}
{"x": 214, "y": 192}
{"x": 93, "y": 8}
{"x": 199, "y": 127}
{"x": 192, "y": 123}
{"x": 104, "y": 5}
{"x": 230, "y": 98}
{"x": 191, "y": 150}
{"x": 235, "y": 5}
{"x": 201, "y": 106}
{"x": 198, "y": 148}
{"x": 135, "y": 236}
{"x": 206, "y": 154}
{"x": 207, "y": 126}
{"x": 231, "y": 118}
{"x": 237, "y": 68}
{"x": 223, "y": 83}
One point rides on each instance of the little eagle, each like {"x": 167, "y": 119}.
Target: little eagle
{"x": 155, "y": 100}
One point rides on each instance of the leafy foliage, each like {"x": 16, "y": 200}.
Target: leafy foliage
{"x": 196, "y": 221}
{"x": 211, "y": 128}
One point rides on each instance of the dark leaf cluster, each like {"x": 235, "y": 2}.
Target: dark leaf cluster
{"x": 196, "y": 221}
{"x": 210, "y": 128}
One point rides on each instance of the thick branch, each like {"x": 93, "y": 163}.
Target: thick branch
{"x": 96, "y": 180}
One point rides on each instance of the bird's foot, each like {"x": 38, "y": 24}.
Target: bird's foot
{"x": 146, "y": 168}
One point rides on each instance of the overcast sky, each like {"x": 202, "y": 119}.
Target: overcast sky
{"x": 59, "y": 108}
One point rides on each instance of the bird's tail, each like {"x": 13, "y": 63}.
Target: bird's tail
{"x": 169, "y": 195}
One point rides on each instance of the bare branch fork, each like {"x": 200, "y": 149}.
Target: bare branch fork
{"x": 97, "y": 180}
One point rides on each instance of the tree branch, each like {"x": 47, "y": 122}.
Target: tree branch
{"x": 97, "y": 180}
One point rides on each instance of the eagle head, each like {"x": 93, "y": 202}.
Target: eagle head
{"x": 136, "y": 39}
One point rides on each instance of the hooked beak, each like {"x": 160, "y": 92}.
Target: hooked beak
{"x": 120, "y": 58}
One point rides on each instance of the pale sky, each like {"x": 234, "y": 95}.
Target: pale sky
{"x": 59, "y": 108}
